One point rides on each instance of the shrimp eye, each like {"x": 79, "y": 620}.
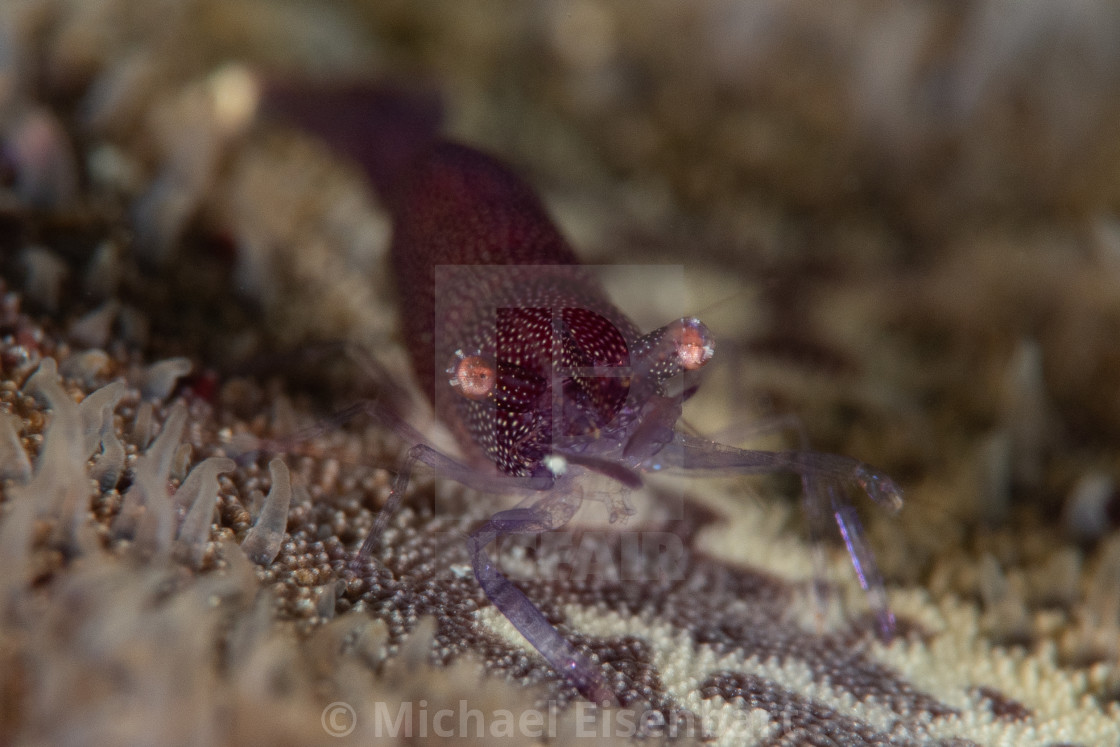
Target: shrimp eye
{"x": 473, "y": 377}
{"x": 693, "y": 342}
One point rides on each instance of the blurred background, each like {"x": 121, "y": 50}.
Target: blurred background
{"x": 899, "y": 219}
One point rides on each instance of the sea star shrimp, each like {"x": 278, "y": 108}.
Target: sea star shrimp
{"x": 541, "y": 377}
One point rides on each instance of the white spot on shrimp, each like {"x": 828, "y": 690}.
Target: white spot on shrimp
{"x": 556, "y": 464}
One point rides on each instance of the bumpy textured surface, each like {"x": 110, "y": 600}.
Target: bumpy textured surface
{"x": 457, "y": 206}
{"x": 913, "y": 209}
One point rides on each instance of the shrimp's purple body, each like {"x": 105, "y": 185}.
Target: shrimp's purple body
{"x": 528, "y": 310}
{"x": 532, "y": 366}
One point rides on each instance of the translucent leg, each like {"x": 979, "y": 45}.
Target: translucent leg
{"x": 814, "y": 502}
{"x": 544, "y": 514}
{"x": 481, "y": 479}
{"x": 864, "y": 562}
{"x": 824, "y": 478}
{"x": 541, "y": 514}
{"x": 489, "y": 481}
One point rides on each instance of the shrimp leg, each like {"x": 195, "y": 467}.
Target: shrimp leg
{"x": 445, "y": 466}
{"x": 547, "y": 513}
{"x": 824, "y": 478}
